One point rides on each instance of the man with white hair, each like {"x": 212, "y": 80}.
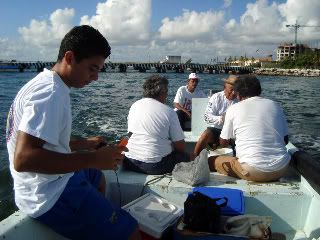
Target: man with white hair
{"x": 183, "y": 99}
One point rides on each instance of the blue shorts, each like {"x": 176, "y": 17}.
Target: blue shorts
{"x": 82, "y": 212}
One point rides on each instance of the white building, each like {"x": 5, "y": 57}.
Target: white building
{"x": 172, "y": 59}
{"x": 289, "y": 50}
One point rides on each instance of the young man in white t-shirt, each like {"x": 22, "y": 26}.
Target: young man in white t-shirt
{"x": 260, "y": 130}
{"x": 183, "y": 99}
{"x": 53, "y": 183}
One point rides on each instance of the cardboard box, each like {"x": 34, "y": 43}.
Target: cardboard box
{"x": 154, "y": 214}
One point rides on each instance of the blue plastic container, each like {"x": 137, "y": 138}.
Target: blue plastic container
{"x": 235, "y": 205}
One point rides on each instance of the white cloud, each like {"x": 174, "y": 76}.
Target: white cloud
{"x": 305, "y": 13}
{"x": 262, "y": 26}
{"x": 122, "y": 22}
{"x": 46, "y": 35}
{"x": 227, "y": 3}
{"x": 191, "y": 25}
{"x": 209, "y": 34}
{"x": 5, "y": 49}
{"x": 231, "y": 25}
{"x": 259, "y": 24}
{"x": 16, "y": 49}
{"x": 199, "y": 35}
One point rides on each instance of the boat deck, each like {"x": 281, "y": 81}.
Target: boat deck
{"x": 288, "y": 201}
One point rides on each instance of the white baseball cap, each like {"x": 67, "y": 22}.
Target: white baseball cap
{"x": 193, "y": 76}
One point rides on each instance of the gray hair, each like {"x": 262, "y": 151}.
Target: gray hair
{"x": 154, "y": 86}
{"x": 247, "y": 86}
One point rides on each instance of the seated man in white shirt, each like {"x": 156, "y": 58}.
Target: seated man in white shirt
{"x": 214, "y": 115}
{"x": 156, "y": 142}
{"x": 260, "y": 130}
{"x": 183, "y": 99}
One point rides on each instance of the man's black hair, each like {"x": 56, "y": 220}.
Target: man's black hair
{"x": 154, "y": 86}
{"x": 85, "y": 42}
{"x": 247, "y": 86}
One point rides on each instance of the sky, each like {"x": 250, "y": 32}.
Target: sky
{"x": 206, "y": 31}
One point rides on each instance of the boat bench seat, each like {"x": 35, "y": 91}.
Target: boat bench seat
{"x": 20, "y": 226}
{"x": 134, "y": 184}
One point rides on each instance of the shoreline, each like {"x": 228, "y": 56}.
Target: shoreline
{"x": 293, "y": 72}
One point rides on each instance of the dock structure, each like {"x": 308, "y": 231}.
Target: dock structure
{"x": 141, "y": 67}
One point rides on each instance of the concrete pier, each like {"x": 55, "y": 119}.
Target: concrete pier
{"x": 141, "y": 67}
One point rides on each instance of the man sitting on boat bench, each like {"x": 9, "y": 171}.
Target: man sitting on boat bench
{"x": 260, "y": 130}
{"x": 55, "y": 181}
{"x": 183, "y": 100}
{"x": 214, "y": 115}
{"x": 157, "y": 140}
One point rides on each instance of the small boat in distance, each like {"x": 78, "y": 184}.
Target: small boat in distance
{"x": 8, "y": 65}
{"x": 293, "y": 202}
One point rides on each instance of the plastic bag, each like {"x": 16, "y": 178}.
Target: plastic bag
{"x": 195, "y": 172}
{"x": 253, "y": 226}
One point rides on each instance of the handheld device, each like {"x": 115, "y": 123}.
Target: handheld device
{"x": 123, "y": 142}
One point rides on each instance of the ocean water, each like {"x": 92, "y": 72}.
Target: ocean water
{"x": 102, "y": 107}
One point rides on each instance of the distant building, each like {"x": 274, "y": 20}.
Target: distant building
{"x": 172, "y": 59}
{"x": 249, "y": 62}
{"x": 262, "y": 61}
{"x": 289, "y": 50}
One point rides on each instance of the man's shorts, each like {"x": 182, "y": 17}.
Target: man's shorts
{"x": 166, "y": 164}
{"x": 230, "y": 166}
{"x": 82, "y": 212}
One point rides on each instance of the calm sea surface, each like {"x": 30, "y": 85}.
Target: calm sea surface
{"x": 102, "y": 107}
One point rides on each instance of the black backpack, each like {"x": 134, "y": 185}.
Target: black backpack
{"x": 202, "y": 213}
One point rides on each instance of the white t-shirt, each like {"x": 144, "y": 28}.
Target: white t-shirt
{"x": 184, "y": 97}
{"x": 154, "y": 127}
{"x": 41, "y": 109}
{"x": 216, "y": 108}
{"x": 259, "y": 126}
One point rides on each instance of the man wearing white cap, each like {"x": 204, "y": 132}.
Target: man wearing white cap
{"x": 215, "y": 113}
{"x": 183, "y": 99}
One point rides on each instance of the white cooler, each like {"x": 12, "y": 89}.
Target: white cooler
{"x": 154, "y": 214}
